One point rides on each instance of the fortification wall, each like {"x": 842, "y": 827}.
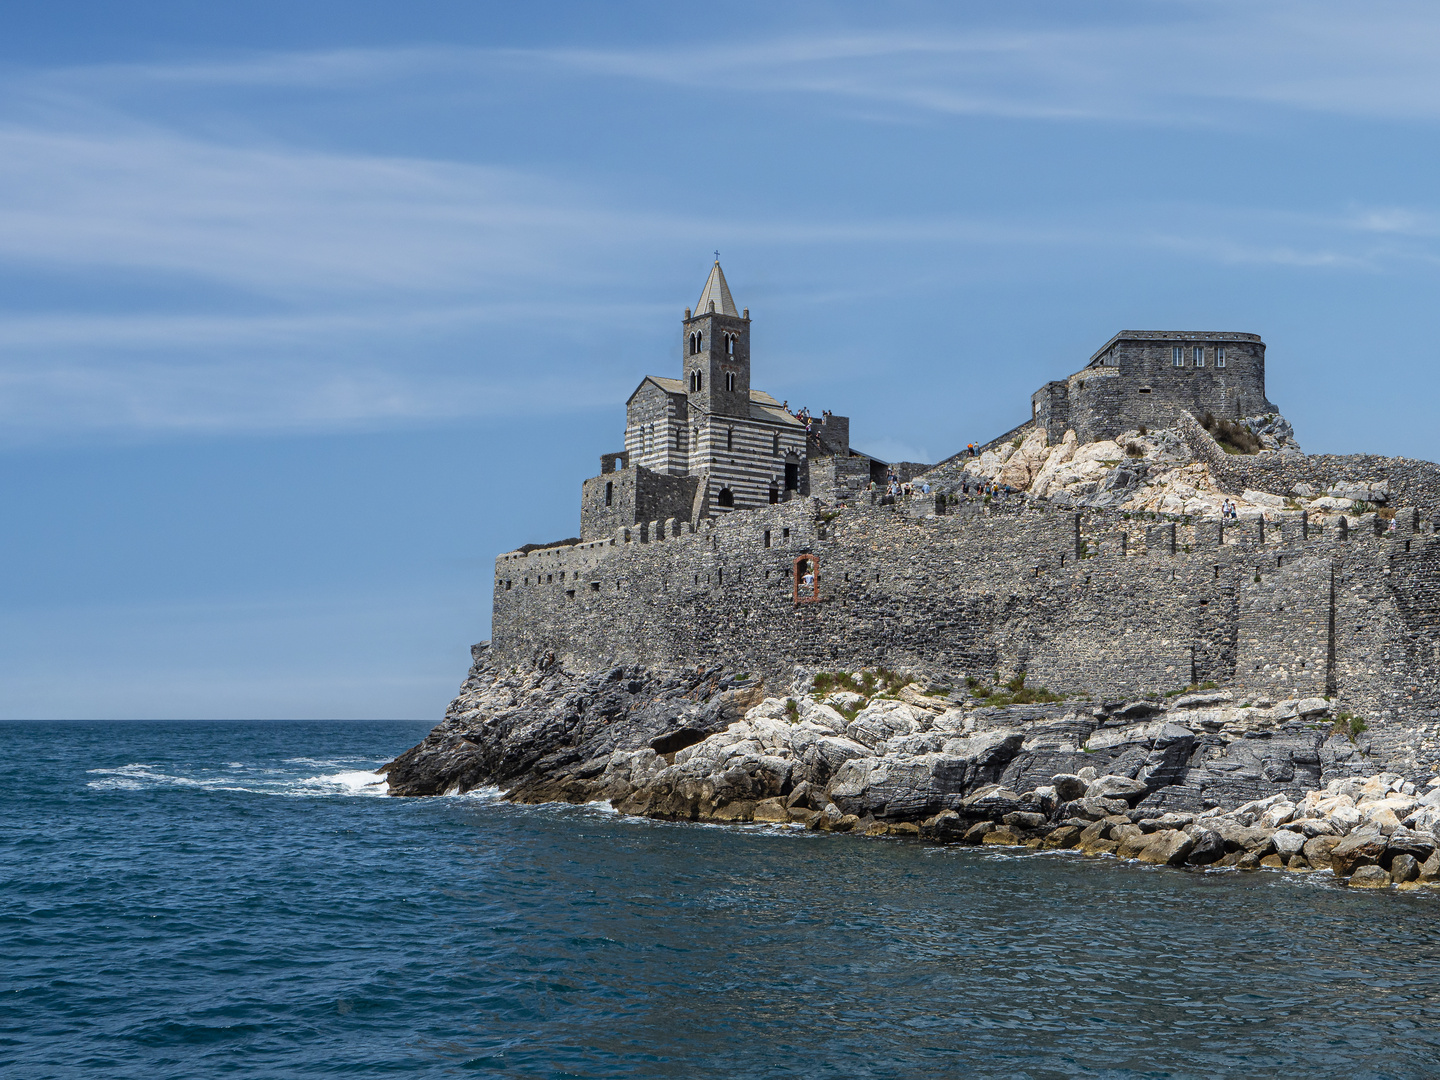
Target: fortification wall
{"x": 629, "y": 496}
{"x": 1083, "y": 604}
{"x": 1410, "y": 482}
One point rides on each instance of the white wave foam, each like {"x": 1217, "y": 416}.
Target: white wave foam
{"x": 240, "y": 777}
{"x": 349, "y": 783}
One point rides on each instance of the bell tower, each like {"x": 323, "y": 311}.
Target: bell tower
{"x": 716, "y": 347}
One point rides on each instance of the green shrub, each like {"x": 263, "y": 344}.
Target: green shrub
{"x": 1349, "y": 725}
{"x": 792, "y": 710}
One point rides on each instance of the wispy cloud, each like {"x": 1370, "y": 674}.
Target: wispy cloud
{"x": 284, "y": 285}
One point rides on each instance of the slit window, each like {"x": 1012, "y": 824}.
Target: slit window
{"x": 767, "y": 537}
{"x": 775, "y": 445}
{"x": 609, "y": 492}
{"x": 730, "y": 438}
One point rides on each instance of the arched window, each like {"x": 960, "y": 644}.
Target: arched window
{"x": 726, "y": 497}
{"x": 775, "y": 448}
{"x": 699, "y": 340}
{"x": 774, "y": 496}
{"x": 729, "y": 344}
{"x": 692, "y": 345}
{"x": 730, "y": 381}
{"x": 807, "y": 579}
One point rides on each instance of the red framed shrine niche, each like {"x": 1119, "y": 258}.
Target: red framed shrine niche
{"x": 807, "y": 579}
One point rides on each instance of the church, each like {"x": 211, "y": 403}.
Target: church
{"x": 708, "y": 443}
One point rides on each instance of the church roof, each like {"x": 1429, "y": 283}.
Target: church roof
{"x": 717, "y": 290}
{"x": 765, "y": 407}
{"x": 670, "y": 386}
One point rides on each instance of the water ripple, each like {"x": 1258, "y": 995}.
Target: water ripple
{"x": 162, "y": 914}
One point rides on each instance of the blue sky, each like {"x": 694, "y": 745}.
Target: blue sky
{"x": 308, "y": 310}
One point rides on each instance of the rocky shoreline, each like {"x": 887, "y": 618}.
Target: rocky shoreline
{"x": 1202, "y": 779}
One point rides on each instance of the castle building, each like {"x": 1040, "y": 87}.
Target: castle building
{"x": 709, "y": 443}
{"x": 1144, "y": 377}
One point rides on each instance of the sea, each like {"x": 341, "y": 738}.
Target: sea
{"x": 241, "y": 899}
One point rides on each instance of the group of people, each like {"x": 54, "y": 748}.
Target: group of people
{"x": 1228, "y": 512}
{"x": 804, "y": 415}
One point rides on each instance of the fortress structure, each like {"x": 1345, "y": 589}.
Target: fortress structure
{"x": 724, "y": 533}
{"x": 1144, "y": 379}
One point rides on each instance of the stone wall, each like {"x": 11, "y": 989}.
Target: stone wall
{"x": 1133, "y": 382}
{"x": 635, "y": 494}
{"x": 1409, "y": 482}
{"x": 1082, "y": 603}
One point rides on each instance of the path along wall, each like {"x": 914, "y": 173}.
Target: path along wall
{"x": 1096, "y": 605}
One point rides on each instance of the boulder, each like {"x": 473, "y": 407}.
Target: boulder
{"x": 1024, "y": 819}
{"x": 1363, "y": 847}
{"x": 1169, "y": 847}
{"x": 1369, "y": 877}
{"x": 1287, "y": 843}
{"x": 1407, "y": 842}
{"x": 1298, "y": 864}
{"x": 1068, "y": 787}
{"x": 1209, "y": 847}
{"x": 1130, "y": 845}
{"x": 1404, "y": 868}
{"x": 771, "y": 810}
{"x": 1066, "y": 836}
{"x": 1246, "y": 838}
{"x": 976, "y": 832}
{"x": 1115, "y": 787}
{"x": 1317, "y": 850}
{"x": 1273, "y": 862}
{"x": 1430, "y": 868}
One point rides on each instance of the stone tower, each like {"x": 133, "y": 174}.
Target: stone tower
{"x": 716, "y": 347}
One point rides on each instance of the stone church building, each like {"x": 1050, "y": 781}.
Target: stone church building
{"x": 709, "y": 443}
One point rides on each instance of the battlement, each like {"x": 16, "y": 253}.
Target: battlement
{"x": 1088, "y": 602}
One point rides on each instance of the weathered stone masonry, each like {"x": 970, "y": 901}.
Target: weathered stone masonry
{"x": 1081, "y": 603}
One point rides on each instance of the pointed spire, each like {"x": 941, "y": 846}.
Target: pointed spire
{"x": 718, "y": 292}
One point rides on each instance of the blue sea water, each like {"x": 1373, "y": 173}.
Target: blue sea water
{"x": 205, "y": 899}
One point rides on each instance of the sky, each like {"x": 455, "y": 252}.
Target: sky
{"x": 307, "y": 311}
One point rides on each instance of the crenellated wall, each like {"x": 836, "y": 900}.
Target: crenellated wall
{"x": 1082, "y": 603}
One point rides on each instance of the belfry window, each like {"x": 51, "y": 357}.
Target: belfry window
{"x": 1177, "y": 356}
{"x": 729, "y": 344}
{"x": 730, "y": 381}
{"x": 700, "y": 341}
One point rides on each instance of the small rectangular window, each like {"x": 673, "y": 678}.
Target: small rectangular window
{"x": 1199, "y": 356}
{"x": 609, "y": 491}
{"x": 767, "y": 537}
{"x": 1219, "y": 357}
{"x": 1177, "y": 356}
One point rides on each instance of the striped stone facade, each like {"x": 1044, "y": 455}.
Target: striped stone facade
{"x": 743, "y": 448}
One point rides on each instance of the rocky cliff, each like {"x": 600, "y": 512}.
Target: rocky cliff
{"x": 1205, "y": 777}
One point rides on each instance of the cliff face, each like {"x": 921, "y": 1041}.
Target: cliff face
{"x": 710, "y": 744}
